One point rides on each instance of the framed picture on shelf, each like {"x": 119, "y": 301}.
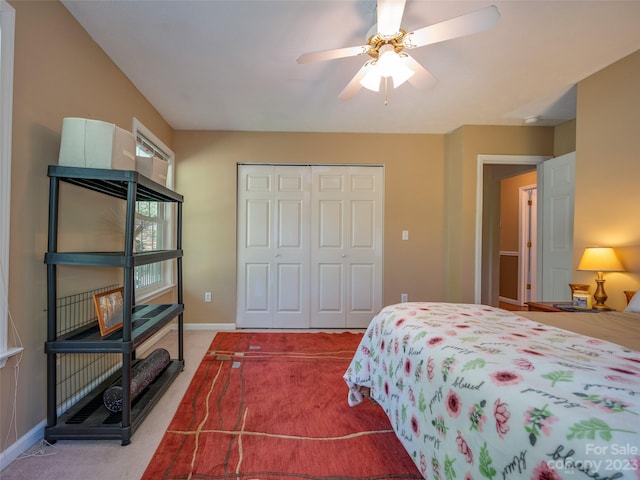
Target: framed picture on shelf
{"x": 109, "y": 308}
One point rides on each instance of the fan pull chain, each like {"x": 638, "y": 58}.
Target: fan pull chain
{"x": 386, "y": 91}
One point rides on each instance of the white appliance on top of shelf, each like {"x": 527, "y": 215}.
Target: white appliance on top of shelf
{"x": 154, "y": 168}
{"x": 96, "y": 144}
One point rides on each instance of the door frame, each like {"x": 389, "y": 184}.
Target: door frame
{"x": 528, "y": 228}
{"x": 7, "y": 42}
{"x": 482, "y": 160}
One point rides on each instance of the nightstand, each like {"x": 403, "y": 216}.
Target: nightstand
{"x": 555, "y": 307}
{"x": 544, "y": 307}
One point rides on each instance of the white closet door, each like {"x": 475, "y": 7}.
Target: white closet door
{"x": 346, "y": 245}
{"x": 273, "y": 246}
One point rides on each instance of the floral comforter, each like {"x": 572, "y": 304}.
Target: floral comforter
{"x": 477, "y": 392}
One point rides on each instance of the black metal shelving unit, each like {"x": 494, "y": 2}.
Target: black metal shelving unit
{"x": 89, "y": 418}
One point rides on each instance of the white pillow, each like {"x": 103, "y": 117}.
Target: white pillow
{"x": 634, "y": 303}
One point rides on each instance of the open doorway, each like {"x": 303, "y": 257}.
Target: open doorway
{"x": 491, "y": 170}
{"x": 517, "y": 240}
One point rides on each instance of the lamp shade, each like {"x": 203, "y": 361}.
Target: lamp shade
{"x": 600, "y": 259}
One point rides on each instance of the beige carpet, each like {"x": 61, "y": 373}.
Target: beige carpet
{"x": 107, "y": 459}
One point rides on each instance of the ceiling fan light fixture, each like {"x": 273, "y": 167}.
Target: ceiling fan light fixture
{"x": 388, "y": 60}
{"x": 372, "y": 79}
{"x": 388, "y": 64}
{"x": 402, "y": 73}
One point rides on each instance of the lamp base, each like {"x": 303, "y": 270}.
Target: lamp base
{"x": 600, "y": 296}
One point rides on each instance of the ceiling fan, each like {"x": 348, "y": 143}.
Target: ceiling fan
{"x": 388, "y": 44}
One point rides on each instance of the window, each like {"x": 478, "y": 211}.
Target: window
{"x": 7, "y": 28}
{"x": 153, "y": 221}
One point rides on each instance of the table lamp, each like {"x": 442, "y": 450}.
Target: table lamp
{"x": 600, "y": 259}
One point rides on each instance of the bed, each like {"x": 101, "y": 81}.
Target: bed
{"x": 478, "y": 392}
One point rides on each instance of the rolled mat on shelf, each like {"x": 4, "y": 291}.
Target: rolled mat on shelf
{"x": 142, "y": 374}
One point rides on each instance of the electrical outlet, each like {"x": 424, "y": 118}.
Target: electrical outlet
{"x": 404, "y": 297}
{"x": 207, "y": 297}
{"x": 405, "y": 234}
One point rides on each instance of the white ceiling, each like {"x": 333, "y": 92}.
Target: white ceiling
{"x": 231, "y": 65}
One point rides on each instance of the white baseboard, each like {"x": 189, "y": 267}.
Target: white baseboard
{"x": 25, "y": 442}
{"x": 511, "y": 301}
{"x": 223, "y": 327}
{"x": 226, "y": 327}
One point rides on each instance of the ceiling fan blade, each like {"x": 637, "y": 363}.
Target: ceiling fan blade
{"x": 331, "y": 54}
{"x": 389, "y": 16}
{"x": 421, "y": 77}
{"x": 354, "y": 85}
{"x": 473, "y": 22}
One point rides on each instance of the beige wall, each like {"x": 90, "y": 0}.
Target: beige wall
{"x": 564, "y": 138}
{"x": 454, "y": 213}
{"x": 607, "y": 172}
{"x": 415, "y": 180}
{"x": 59, "y": 72}
{"x": 462, "y": 163}
{"x": 414, "y": 195}
{"x": 430, "y": 185}
{"x": 510, "y": 209}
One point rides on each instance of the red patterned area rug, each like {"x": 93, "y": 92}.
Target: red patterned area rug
{"x": 274, "y": 406}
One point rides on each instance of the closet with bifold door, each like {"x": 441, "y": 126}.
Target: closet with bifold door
{"x": 309, "y": 245}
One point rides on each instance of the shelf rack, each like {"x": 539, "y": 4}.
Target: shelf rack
{"x": 89, "y": 418}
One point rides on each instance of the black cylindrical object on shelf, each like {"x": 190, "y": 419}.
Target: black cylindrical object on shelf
{"x": 144, "y": 372}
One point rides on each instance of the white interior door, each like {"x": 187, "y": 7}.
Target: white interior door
{"x": 346, "y": 246}
{"x": 557, "y": 190}
{"x": 309, "y": 246}
{"x": 528, "y": 231}
{"x": 273, "y": 246}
